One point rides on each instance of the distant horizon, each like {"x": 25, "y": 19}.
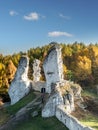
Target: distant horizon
{"x": 25, "y": 51}
{"x": 28, "y": 24}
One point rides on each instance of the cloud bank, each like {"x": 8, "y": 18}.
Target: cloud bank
{"x": 59, "y": 33}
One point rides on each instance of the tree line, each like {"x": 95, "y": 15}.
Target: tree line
{"x": 80, "y": 64}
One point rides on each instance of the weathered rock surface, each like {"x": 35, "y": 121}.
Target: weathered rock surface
{"x": 53, "y": 67}
{"x": 50, "y": 106}
{"x": 38, "y": 85}
{"x": 36, "y": 70}
{"x": 61, "y": 92}
{"x": 34, "y": 114}
{"x": 20, "y": 85}
{"x": 68, "y": 120}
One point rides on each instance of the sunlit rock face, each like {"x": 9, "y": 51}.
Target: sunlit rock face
{"x": 36, "y": 70}
{"x": 53, "y": 101}
{"x": 20, "y": 85}
{"x": 61, "y": 92}
{"x": 53, "y": 67}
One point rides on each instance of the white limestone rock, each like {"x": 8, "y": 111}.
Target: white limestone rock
{"x": 53, "y": 67}
{"x": 49, "y": 109}
{"x": 20, "y": 85}
{"x": 68, "y": 120}
{"x": 69, "y": 102}
{"x": 56, "y": 86}
{"x": 36, "y": 70}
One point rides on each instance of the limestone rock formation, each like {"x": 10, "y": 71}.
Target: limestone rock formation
{"x": 53, "y": 101}
{"x": 36, "y": 70}
{"x": 53, "y": 67}
{"x": 20, "y": 85}
{"x": 61, "y": 92}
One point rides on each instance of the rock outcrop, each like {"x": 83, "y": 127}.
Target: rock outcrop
{"x": 53, "y": 101}
{"x": 53, "y": 67}
{"x": 36, "y": 70}
{"x": 61, "y": 92}
{"x": 20, "y": 85}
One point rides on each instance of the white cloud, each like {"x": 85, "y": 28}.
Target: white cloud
{"x": 64, "y": 17}
{"x": 58, "y": 33}
{"x": 13, "y": 13}
{"x": 32, "y": 16}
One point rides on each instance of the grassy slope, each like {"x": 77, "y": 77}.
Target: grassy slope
{"x": 14, "y": 108}
{"x": 39, "y": 123}
{"x": 36, "y": 123}
{"x": 90, "y": 119}
{"x": 11, "y": 110}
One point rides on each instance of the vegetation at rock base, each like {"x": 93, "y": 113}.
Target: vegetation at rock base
{"x": 89, "y": 116}
{"x": 31, "y": 123}
{"x": 14, "y": 108}
{"x": 11, "y": 110}
{"x": 39, "y": 123}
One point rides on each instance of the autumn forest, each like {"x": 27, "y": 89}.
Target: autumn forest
{"x": 80, "y": 64}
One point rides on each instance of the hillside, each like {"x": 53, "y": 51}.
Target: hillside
{"x": 24, "y": 120}
{"x": 79, "y": 67}
{"x": 88, "y": 116}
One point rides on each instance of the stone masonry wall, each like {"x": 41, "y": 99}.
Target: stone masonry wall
{"x": 68, "y": 120}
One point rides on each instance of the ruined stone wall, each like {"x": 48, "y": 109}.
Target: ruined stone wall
{"x": 37, "y": 86}
{"x": 53, "y": 68}
{"x": 54, "y": 100}
{"x": 20, "y": 85}
{"x": 68, "y": 120}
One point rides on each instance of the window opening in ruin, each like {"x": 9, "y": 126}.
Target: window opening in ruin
{"x": 43, "y": 90}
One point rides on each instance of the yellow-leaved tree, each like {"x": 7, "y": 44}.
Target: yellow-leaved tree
{"x": 82, "y": 68}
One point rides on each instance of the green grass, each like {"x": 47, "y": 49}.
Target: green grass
{"x": 39, "y": 123}
{"x": 90, "y": 120}
{"x": 32, "y": 123}
{"x": 3, "y": 116}
{"x": 90, "y": 93}
{"x": 14, "y": 108}
{"x": 11, "y": 110}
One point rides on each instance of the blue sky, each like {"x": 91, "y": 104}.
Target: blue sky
{"x": 25, "y": 24}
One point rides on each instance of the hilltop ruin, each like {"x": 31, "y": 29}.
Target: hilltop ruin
{"x": 62, "y": 94}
